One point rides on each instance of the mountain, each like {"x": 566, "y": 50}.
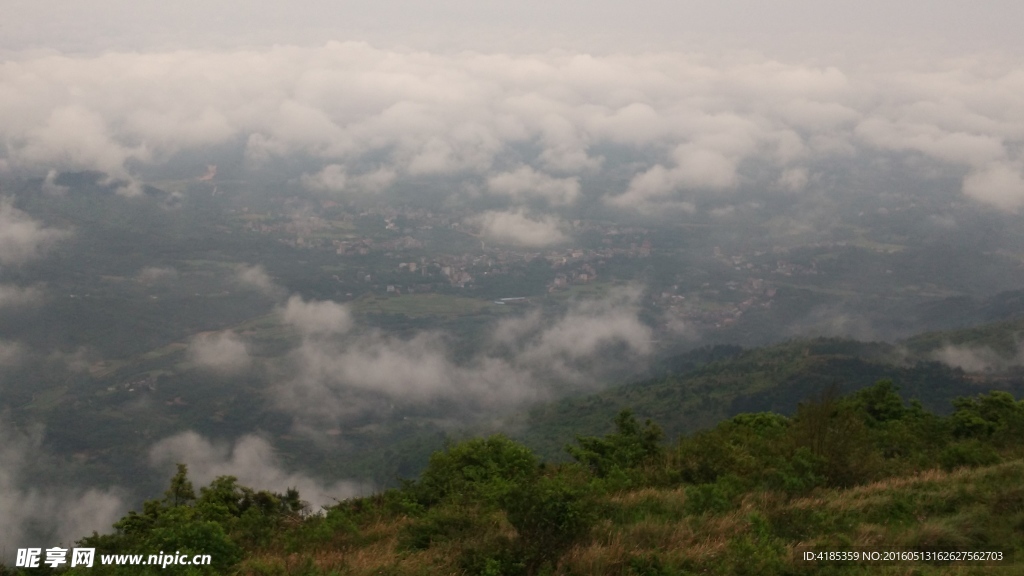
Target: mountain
{"x": 707, "y": 388}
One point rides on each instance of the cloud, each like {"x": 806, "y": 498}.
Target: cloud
{"x": 515, "y": 227}
{"x": 525, "y": 183}
{"x": 17, "y": 297}
{"x": 222, "y": 352}
{"x": 979, "y": 358}
{"x": 22, "y": 238}
{"x": 525, "y": 358}
{"x": 337, "y": 381}
{"x": 588, "y": 331}
{"x": 521, "y": 127}
{"x": 252, "y": 460}
{"x": 12, "y": 353}
{"x": 316, "y": 317}
{"x": 78, "y": 361}
{"x": 833, "y": 321}
{"x": 33, "y": 511}
{"x": 256, "y": 277}
{"x": 998, "y": 184}
{"x": 793, "y": 179}
{"x": 50, "y": 185}
{"x": 375, "y": 181}
{"x": 933, "y": 140}
{"x": 331, "y": 179}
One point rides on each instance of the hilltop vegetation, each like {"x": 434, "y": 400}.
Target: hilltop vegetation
{"x": 865, "y": 469}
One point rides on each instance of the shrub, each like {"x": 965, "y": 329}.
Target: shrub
{"x": 968, "y": 453}
{"x": 834, "y": 432}
{"x": 716, "y": 497}
{"x": 628, "y": 447}
{"x": 549, "y": 514}
{"x": 482, "y": 469}
{"x": 438, "y": 525}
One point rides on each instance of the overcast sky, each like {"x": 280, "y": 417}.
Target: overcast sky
{"x": 785, "y": 27}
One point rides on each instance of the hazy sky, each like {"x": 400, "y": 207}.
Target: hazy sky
{"x": 791, "y": 27}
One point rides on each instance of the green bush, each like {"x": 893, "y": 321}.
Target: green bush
{"x": 180, "y": 531}
{"x": 549, "y": 514}
{"x": 497, "y": 556}
{"x": 438, "y": 525}
{"x": 757, "y": 552}
{"x": 628, "y": 447}
{"x": 715, "y": 498}
{"x": 968, "y": 453}
{"x": 835, "y": 432}
{"x": 996, "y": 416}
{"x": 482, "y": 469}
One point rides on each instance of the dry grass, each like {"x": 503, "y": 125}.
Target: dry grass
{"x": 649, "y": 524}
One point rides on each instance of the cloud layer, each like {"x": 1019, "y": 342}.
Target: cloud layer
{"x": 524, "y": 127}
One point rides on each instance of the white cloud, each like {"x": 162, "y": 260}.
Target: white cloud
{"x": 331, "y": 179}
{"x": 252, "y": 460}
{"x": 22, "y": 238}
{"x": 933, "y": 140}
{"x": 999, "y": 184}
{"x": 794, "y": 179}
{"x": 525, "y": 359}
{"x": 979, "y": 358}
{"x": 376, "y": 181}
{"x": 584, "y": 334}
{"x": 316, "y": 317}
{"x": 222, "y": 352}
{"x": 373, "y": 117}
{"x": 520, "y": 229}
{"x": 524, "y": 183}
{"x": 257, "y": 277}
{"x": 50, "y": 185}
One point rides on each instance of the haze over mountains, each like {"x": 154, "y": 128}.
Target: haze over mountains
{"x": 302, "y": 248}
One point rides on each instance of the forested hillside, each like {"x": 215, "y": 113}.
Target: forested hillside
{"x": 705, "y": 386}
{"x": 866, "y": 470}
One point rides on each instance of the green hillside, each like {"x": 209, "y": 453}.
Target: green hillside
{"x": 703, "y": 387}
{"x": 773, "y": 378}
{"x": 756, "y": 494}
{"x": 1002, "y": 338}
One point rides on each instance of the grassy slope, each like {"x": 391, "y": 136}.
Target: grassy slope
{"x": 648, "y": 531}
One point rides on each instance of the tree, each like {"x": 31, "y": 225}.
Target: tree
{"x": 881, "y": 402}
{"x": 181, "y": 491}
{"x": 995, "y": 415}
{"x": 628, "y": 447}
